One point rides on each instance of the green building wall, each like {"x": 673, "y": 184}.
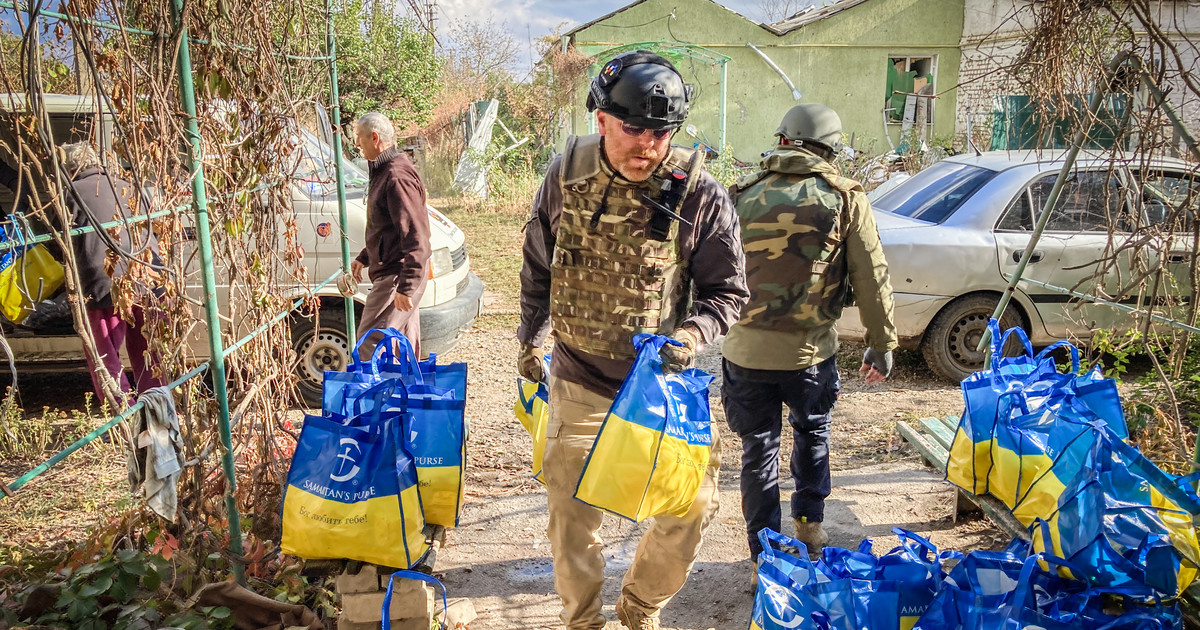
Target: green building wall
{"x": 841, "y": 61}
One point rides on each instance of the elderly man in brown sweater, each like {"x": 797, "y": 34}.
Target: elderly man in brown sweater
{"x": 396, "y": 255}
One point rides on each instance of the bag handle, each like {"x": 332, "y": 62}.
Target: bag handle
{"x": 775, "y": 542}
{"x": 921, "y": 550}
{"x": 408, "y": 359}
{"x": 412, "y": 575}
{"x": 382, "y": 395}
{"x": 1021, "y": 594}
{"x": 999, "y": 340}
{"x": 1045, "y": 354}
{"x": 648, "y": 346}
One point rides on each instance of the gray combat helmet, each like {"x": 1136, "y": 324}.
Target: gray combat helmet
{"x": 642, "y": 89}
{"x": 812, "y": 123}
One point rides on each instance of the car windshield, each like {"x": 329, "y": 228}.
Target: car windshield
{"x": 936, "y": 192}
{"x": 316, "y": 174}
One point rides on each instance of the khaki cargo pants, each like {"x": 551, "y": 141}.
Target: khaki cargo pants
{"x": 666, "y": 552}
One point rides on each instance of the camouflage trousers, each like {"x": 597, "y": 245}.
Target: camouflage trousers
{"x": 667, "y": 550}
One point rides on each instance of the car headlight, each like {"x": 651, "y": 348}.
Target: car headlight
{"x": 440, "y": 263}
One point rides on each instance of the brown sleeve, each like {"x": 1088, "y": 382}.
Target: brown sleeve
{"x": 540, "y": 237}
{"x": 715, "y": 259}
{"x": 406, "y": 205}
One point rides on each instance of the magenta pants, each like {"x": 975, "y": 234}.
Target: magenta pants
{"x": 110, "y": 333}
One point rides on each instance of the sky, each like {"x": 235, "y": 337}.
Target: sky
{"x": 528, "y": 20}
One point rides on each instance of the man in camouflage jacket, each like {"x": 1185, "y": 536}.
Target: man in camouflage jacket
{"x": 809, "y": 237}
{"x": 628, "y": 235}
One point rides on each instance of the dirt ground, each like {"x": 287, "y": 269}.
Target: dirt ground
{"x": 500, "y": 557}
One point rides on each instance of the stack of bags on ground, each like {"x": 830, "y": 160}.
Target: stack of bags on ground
{"x": 383, "y": 460}
{"x": 1112, "y": 542}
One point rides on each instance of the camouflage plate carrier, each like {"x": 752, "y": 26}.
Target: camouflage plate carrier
{"x": 610, "y": 277}
{"x": 793, "y": 219}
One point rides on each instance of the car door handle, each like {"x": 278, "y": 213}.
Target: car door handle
{"x": 1037, "y": 256}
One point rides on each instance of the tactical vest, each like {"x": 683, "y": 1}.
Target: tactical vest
{"x": 610, "y": 278}
{"x": 796, "y": 265}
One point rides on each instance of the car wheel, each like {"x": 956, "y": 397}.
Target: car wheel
{"x": 319, "y": 350}
{"x": 953, "y": 336}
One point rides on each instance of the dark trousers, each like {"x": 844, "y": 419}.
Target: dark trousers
{"x": 753, "y": 407}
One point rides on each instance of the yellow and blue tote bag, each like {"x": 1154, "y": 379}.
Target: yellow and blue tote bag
{"x": 28, "y": 276}
{"x": 352, "y": 492}
{"x": 533, "y": 411}
{"x": 436, "y": 433}
{"x": 652, "y": 451}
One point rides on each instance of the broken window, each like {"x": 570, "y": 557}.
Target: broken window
{"x": 908, "y": 96}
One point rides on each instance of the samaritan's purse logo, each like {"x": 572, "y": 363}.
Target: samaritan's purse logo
{"x": 346, "y": 459}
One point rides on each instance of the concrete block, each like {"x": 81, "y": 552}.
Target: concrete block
{"x": 365, "y": 581}
{"x": 402, "y": 624}
{"x": 410, "y": 600}
{"x": 459, "y": 614}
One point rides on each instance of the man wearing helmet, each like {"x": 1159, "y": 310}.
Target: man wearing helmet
{"x": 628, "y": 235}
{"x": 807, "y": 231}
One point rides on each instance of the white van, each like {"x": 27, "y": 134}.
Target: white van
{"x": 451, "y": 303}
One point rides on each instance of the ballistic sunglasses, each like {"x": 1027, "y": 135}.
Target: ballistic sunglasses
{"x": 636, "y": 132}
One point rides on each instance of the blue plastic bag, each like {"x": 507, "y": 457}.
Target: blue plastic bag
{"x": 846, "y": 590}
{"x": 339, "y": 389}
{"x": 1126, "y": 523}
{"x": 783, "y": 600}
{"x": 451, "y": 376}
{"x": 989, "y": 590}
{"x": 352, "y": 490}
{"x": 653, "y": 450}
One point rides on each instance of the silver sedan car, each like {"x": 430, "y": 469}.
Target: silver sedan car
{"x": 953, "y": 235}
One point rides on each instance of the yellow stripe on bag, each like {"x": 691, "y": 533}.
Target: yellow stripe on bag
{"x": 969, "y": 463}
{"x": 441, "y": 493}
{"x": 365, "y": 530}
{"x": 1182, "y": 534}
{"x": 1042, "y": 500}
{"x": 533, "y": 414}
{"x": 627, "y": 447}
{"x": 1012, "y": 474}
{"x": 677, "y": 476}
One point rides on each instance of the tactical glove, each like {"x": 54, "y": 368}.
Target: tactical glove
{"x": 529, "y": 363}
{"x": 679, "y": 358}
{"x": 881, "y": 361}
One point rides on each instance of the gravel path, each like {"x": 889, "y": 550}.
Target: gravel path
{"x": 500, "y": 557}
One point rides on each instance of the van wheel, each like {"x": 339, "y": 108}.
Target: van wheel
{"x": 319, "y": 350}
{"x": 953, "y": 336}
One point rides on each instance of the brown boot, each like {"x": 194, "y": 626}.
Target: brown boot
{"x": 812, "y": 534}
{"x": 633, "y": 618}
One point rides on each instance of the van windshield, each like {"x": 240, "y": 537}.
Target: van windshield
{"x": 936, "y": 192}
{"x": 316, "y": 173}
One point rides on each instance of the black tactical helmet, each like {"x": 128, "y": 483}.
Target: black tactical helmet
{"x": 642, "y": 89}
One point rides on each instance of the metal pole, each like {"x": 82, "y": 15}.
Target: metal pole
{"x": 1173, "y": 115}
{"x": 724, "y": 89}
{"x": 336, "y": 119}
{"x": 204, "y": 236}
{"x": 1059, "y": 182}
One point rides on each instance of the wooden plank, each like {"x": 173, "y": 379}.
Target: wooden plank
{"x": 930, "y": 450}
{"x": 937, "y": 455}
{"x": 1001, "y": 516}
{"x": 939, "y": 432}
{"x": 951, "y": 422}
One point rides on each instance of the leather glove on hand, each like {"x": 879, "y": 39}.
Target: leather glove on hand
{"x": 880, "y": 362}
{"x": 529, "y": 363}
{"x": 679, "y": 358}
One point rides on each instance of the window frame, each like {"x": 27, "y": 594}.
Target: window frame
{"x": 1124, "y": 194}
{"x": 908, "y": 61}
